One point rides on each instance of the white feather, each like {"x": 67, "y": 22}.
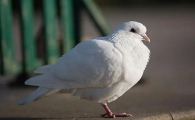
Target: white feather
{"x": 49, "y": 80}
{"x": 101, "y": 69}
{"x": 34, "y": 95}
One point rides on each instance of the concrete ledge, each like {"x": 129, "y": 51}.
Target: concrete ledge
{"x": 186, "y": 115}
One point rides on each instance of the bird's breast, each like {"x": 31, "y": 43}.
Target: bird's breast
{"x": 135, "y": 59}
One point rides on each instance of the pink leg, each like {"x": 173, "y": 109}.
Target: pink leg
{"x": 112, "y": 115}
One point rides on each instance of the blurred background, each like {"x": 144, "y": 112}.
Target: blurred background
{"x": 37, "y": 32}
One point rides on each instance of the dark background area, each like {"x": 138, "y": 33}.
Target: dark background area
{"x": 118, "y": 3}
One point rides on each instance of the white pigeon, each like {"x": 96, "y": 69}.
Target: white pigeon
{"x": 101, "y": 69}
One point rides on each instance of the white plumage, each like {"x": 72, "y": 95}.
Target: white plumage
{"x": 100, "y": 69}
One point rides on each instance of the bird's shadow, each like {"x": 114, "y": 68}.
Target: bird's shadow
{"x": 28, "y": 118}
{"x": 24, "y": 118}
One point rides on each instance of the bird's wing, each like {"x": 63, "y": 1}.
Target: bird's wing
{"x": 92, "y": 63}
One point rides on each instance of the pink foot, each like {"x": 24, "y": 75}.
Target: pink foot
{"x": 113, "y": 115}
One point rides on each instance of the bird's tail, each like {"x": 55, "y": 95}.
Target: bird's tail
{"x": 39, "y": 92}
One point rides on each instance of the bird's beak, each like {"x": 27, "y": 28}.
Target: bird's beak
{"x": 146, "y": 38}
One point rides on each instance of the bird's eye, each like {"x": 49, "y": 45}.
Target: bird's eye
{"x": 133, "y": 30}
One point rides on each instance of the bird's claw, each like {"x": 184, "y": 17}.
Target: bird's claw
{"x": 113, "y": 115}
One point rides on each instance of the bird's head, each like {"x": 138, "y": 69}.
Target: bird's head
{"x": 134, "y": 30}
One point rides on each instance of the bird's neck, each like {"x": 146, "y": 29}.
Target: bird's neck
{"x": 125, "y": 40}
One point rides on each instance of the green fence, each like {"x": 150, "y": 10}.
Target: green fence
{"x": 70, "y": 18}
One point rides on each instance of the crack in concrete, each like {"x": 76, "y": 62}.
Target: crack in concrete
{"x": 171, "y": 116}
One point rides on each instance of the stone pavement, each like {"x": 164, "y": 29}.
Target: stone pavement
{"x": 142, "y": 101}
{"x": 170, "y": 75}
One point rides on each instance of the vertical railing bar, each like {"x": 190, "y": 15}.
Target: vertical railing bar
{"x": 1, "y": 55}
{"x": 29, "y": 54}
{"x": 68, "y": 24}
{"x": 49, "y": 10}
{"x": 1, "y": 49}
{"x": 7, "y": 47}
{"x": 77, "y": 20}
{"x": 96, "y": 16}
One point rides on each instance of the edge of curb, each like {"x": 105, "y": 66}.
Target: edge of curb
{"x": 185, "y": 115}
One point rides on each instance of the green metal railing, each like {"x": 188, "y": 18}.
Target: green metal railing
{"x": 7, "y": 48}
{"x": 70, "y": 18}
{"x": 28, "y": 41}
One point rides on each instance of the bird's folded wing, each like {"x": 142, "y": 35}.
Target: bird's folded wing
{"x": 92, "y": 63}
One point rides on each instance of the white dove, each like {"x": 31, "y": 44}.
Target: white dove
{"x": 101, "y": 69}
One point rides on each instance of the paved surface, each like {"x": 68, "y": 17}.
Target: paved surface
{"x": 170, "y": 75}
